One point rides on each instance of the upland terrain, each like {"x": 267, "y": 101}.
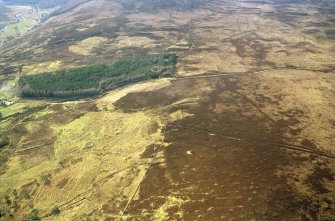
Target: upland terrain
{"x": 167, "y": 110}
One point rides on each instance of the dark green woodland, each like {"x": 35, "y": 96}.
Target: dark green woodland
{"x": 97, "y": 78}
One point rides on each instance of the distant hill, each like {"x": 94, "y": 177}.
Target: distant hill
{"x": 68, "y": 5}
{"x": 163, "y": 4}
{"x": 40, "y": 3}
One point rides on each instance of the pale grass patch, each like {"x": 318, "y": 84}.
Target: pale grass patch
{"x": 86, "y": 46}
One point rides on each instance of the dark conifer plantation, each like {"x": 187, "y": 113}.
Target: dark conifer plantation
{"x": 94, "y": 79}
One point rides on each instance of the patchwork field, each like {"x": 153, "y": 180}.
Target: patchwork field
{"x": 245, "y": 131}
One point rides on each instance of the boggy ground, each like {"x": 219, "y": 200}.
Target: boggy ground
{"x": 234, "y": 147}
{"x": 255, "y": 143}
{"x": 232, "y": 159}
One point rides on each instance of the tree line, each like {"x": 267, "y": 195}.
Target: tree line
{"x": 94, "y": 79}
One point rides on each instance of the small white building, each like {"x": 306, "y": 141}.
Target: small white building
{"x": 6, "y": 103}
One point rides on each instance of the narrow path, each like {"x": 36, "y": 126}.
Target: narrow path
{"x": 209, "y": 75}
{"x": 299, "y": 148}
